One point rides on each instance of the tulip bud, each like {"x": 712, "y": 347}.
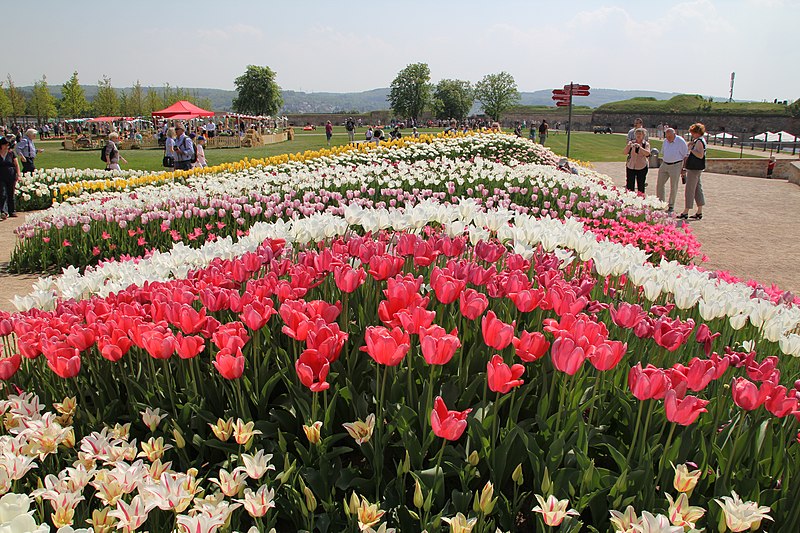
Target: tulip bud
{"x": 311, "y": 501}
{"x": 516, "y": 476}
{"x": 312, "y": 432}
{"x": 487, "y": 502}
{"x": 355, "y": 503}
{"x": 407, "y": 464}
{"x": 476, "y": 503}
{"x": 180, "y": 442}
{"x": 546, "y": 483}
{"x": 69, "y": 438}
{"x": 474, "y": 458}
{"x": 418, "y": 499}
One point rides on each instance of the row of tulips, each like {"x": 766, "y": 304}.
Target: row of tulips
{"x": 413, "y": 369}
{"x": 705, "y": 294}
{"x": 99, "y": 227}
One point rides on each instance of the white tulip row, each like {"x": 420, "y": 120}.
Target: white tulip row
{"x": 689, "y": 287}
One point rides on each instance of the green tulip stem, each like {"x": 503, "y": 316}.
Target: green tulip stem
{"x": 635, "y": 432}
{"x": 666, "y": 449}
{"x": 495, "y": 436}
{"x": 429, "y": 405}
{"x": 438, "y": 465}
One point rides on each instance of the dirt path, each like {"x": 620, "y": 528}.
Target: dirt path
{"x": 750, "y": 227}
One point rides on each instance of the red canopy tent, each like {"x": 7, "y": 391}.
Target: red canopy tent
{"x": 183, "y": 110}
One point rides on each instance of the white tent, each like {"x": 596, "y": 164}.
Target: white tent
{"x": 785, "y": 136}
{"x": 723, "y": 135}
{"x": 767, "y": 136}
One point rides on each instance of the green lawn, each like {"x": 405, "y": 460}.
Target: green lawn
{"x": 584, "y": 146}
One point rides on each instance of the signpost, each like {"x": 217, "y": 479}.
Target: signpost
{"x": 563, "y": 98}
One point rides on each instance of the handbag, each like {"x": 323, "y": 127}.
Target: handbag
{"x": 168, "y": 161}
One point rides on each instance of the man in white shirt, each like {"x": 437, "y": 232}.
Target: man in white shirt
{"x": 210, "y": 128}
{"x": 674, "y": 151}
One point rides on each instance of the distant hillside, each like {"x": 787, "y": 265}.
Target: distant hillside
{"x": 693, "y": 103}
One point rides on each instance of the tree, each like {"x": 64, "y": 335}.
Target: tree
{"x": 452, "y": 99}
{"x": 136, "y": 100}
{"x": 106, "y": 103}
{"x": 16, "y": 99}
{"x": 497, "y": 93}
{"x": 42, "y": 104}
{"x": 257, "y": 92}
{"x": 203, "y": 102}
{"x": 73, "y": 98}
{"x": 5, "y": 104}
{"x": 124, "y": 104}
{"x": 153, "y": 102}
{"x": 411, "y": 90}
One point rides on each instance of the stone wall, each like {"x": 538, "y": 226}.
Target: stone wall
{"x": 756, "y": 168}
{"x": 751, "y": 125}
{"x": 793, "y": 174}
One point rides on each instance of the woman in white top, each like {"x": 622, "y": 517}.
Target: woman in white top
{"x": 112, "y": 154}
{"x": 169, "y": 146}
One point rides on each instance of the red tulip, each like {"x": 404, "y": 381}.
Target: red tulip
{"x": 384, "y": 346}
{"x": 255, "y": 314}
{"x": 424, "y": 254}
{"x": 9, "y": 366}
{"x": 446, "y": 287}
{"x": 472, "y": 303}
{"x": 683, "y": 411}
{"x": 530, "y": 346}
{"x": 446, "y": 424}
{"x": 489, "y": 252}
{"x": 80, "y": 337}
{"x": 347, "y": 278}
{"x": 608, "y": 355}
{"x": 648, "y": 383}
{"x": 415, "y": 318}
{"x": 383, "y": 267}
{"x": 501, "y": 377}
{"x": 231, "y": 335}
{"x": 779, "y": 404}
{"x": 527, "y": 300}
{"x": 159, "y": 344}
{"x": 297, "y": 322}
{"x": 700, "y": 373}
{"x": 229, "y": 362}
{"x": 327, "y": 339}
{"x": 645, "y": 328}
{"x": 627, "y": 315}
{"x": 114, "y": 347}
{"x": 566, "y": 355}
{"x": 67, "y": 364}
{"x": 438, "y": 346}
{"x": 188, "y": 319}
{"x": 324, "y": 310}
{"x": 189, "y": 346}
{"x": 764, "y": 371}
{"x": 312, "y": 369}
{"x": 671, "y": 334}
{"x": 747, "y": 395}
{"x": 563, "y": 299}
{"x": 496, "y": 333}
{"x": 704, "y": 336}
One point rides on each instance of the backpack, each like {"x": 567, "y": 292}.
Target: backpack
{"x": 194, "y": 149}
{"x": 103, "y": 157}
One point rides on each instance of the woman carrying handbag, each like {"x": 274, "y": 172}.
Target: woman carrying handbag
{"x": 692, "y": 169}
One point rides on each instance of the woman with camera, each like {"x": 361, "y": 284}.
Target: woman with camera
{"x": 638, "y": 151}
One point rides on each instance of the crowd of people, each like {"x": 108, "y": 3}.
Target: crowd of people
{"x": 682, "y": 163}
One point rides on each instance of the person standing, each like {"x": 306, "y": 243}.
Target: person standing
{"x": 350, "y": 126}
{"x": 328, "y": 132}
{"x": 210, "y": 129}
{"x": 533, "y": 131}
{"x": 27, "y": 151}
{"x": 201, "y": 153}
{"x": 543, "y": 127}
{"x": 169, "y": 148}
{"x": 674, "y": 151}
{"x": 111, "y": 152}
{"x": 368, "y": 134}
{"x": 637, "y": 123}
{"x": 9, "y": 174}
{"x": 693, "y": 168}
{"x": 637, "y": 150}
{"x": 184, "y": 149}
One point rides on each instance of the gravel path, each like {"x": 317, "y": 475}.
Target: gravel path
{"x": 751, "y": 227}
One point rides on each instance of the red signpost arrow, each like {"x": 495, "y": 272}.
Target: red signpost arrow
{"x": 562, "y": 104}
{"x": 559, "y": 92}
{"x": 576, "y": 87}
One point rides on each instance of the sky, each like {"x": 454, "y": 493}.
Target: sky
{"x": 344, "y": 46}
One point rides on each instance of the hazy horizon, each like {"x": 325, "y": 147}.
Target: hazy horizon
{"x": 318, "y": 47}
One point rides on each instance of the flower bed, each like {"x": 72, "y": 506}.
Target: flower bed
{"x": 444, "y": 363}
{"x": 89, "y": 229}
